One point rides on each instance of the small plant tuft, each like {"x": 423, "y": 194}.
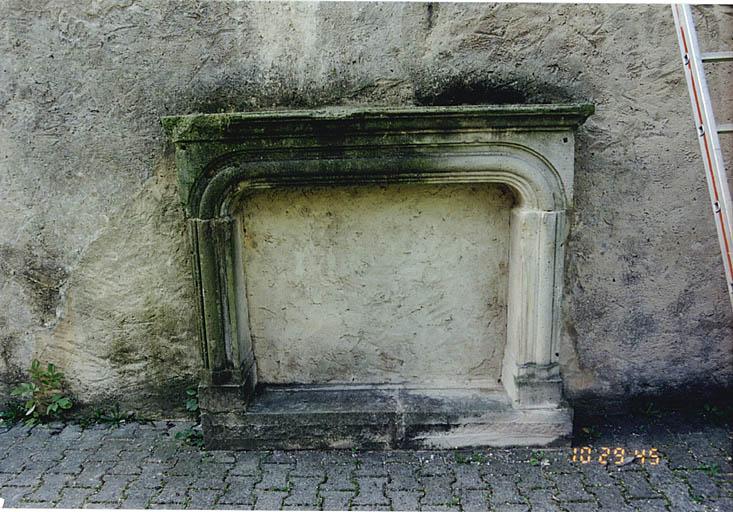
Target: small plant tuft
{"x": 192, "y": 400}
{"x": 591, "y": 433}
{"x": 473, "y": 458}
{"x": 12, "y": 414}
{"x": 191, "y": 436}
{"x": 535, "y": 459}
{"x": 111, "y": 416}
{"x": 711, "y": 470}
{"x": 44, "y": 398}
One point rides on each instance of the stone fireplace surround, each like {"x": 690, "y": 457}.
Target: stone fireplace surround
{"x": 529, "y": 148}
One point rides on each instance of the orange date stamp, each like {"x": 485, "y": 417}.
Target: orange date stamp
{"x": 615, "y": 455}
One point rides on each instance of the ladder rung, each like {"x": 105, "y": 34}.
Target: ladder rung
{"x": 725, "y": 128}
{"x": 716, "y": 56}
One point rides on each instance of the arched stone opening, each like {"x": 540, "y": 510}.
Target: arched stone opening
{"x": 527, "y": 148}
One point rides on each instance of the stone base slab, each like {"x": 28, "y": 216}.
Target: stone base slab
{"x": 377, "y": 417}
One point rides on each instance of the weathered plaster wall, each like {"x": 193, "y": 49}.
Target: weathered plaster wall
{"x": 404, "y": 283}
{"x": 93, "y": 258}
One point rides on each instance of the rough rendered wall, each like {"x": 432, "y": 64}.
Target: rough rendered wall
{"x": 404, "y": 283}
{"x": 93, "y": 256}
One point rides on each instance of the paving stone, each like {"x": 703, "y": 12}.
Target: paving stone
{"x": 73, "y": 497}
{"x": 436, "y": 467}
{"x": 678, "y": 495}
{"x": 269, "y": 500}
{"x": 597, "y": 475}
{"x": 70, "y": 432}
{"x": 239, "y": 491}
{"x": 468, "y": 477}
{"x": 91, "y": 474}
{"x": 703, "y": 485}
{"x": 174, "y": 489}
{"x": 513, "y": 507}
{"x": 127, "y": 431}
{"x": 338, "y": 500}
{"x": 678, "y": 457}
{"x": 202, "y": 499}
{"x": 214, "y": 480}
{"x": 338, "y": 458}
{"x": 25, "y": 478}
{"x": 50, "y": 488}
{"x": 578, "y": 506}
{"x": 473, "y": 500}
{"x": 570, "y": 488}
{"x": 274, "y": 477}
{"x": 532, "y": 478}
{"x": 650, "y": 505}
{"x": 309, "y": 469}
{"x": 105, "y": 453}
{"x": 446, "y": 507}
{"x": 280, "y": 457}
{"x": 504, "y": 492}
{"x": 112, "y": 489}
{"x": 40, "y": 465}
{"x": 303, "y": 491}
{"x": 164, "y": 453}
{"x": 339, "y": 478}
{"x": 371, "y": 491}
{"x": 13, "y": 495}
{"x": 72, "y": 463}
{"x": 370, "y": 464}
{"x": 543, "y": 500}
{"x": 246, "y": 464}
{"x": 721, "y": 505}
{"x": 404, "y": 500}
{"x": 609, "y": 497}
{"x": 186, "y": 465}
{"x": 126, "y": 467}
{"x": 637, "y": 486}
{"x": 152, "y": 476}
{"x": 403, "y": 477}
{"x": 163, "y": 506}
{"x": 138, "y": 496}
{"x": 54, "y": 454}
{"x": 438, "y": 490}
{"x": 32, "y": 504}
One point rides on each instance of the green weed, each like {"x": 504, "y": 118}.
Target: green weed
{"x": 44, "y": 398}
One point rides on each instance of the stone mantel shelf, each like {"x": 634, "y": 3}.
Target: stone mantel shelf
{"x": 277, "y": 123}
{"x": 529, "y": 148}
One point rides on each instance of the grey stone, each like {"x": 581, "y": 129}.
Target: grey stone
{"x": 337, "y": 500}
{"x": 274, "y": 477}
{"x": 473, "y": 500}
{"x": 437, "y": 489}
{"x": 92, "y": 473}
{"x": 303, "y": 491}
{"x": 269, "y": 500}
{"x": 72, "y": 497}
{"x": 112, "y": 489}
{"x": 371, "y": 491}
{"x": 50, "y": 488}
{"x": 247, "y": 464}
{"x": 239, "y": 491}
{"x": 202, "y": 499}
{"x": 339, "y": 478}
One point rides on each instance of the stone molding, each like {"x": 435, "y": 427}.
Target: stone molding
{"x": 530, "y": 148}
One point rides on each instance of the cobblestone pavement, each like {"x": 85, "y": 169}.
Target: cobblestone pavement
{"x": 139, "y": 465}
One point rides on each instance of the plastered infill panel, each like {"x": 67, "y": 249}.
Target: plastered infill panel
{"x": 378, "y": 284}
